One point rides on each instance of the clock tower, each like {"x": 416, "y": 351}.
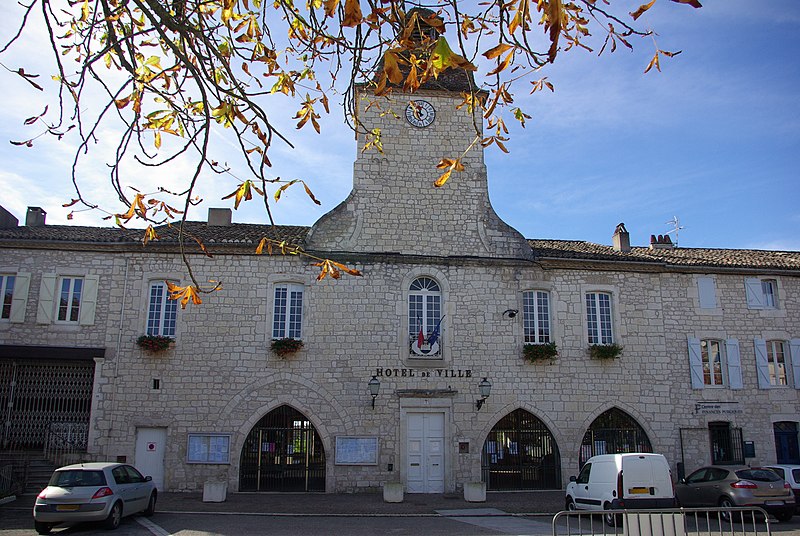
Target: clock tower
{"x": 394, "y": 206}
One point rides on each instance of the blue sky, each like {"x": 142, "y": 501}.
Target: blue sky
{"x": 712, "y": 139}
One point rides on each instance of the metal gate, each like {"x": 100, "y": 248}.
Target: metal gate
{"x": 34, "y": 395}
{"x": 520, "y": 453}
{"x": 613, "y": 432}
{"x": 283, "y": 452}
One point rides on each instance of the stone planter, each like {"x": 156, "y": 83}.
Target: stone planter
{"x": 214, "y": 491}
{"x": 393, "y": 492}
{"x": 475, "y": 491}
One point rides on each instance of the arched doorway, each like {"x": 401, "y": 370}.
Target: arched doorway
{"x": 520, "y": 453}
{"x": 613, "y": 432}
{"x": 283, "y": 452}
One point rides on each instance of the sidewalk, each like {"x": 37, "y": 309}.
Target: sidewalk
{"x": 339, "y": 504}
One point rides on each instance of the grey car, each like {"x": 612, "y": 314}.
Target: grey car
{"x": 93, "y": 492}
{"x": 726, "y": 487}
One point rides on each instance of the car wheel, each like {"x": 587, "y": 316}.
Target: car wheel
{"x": 783, "y": 517}
{"x": 151, "y": 505}
{"x": 727, "y": 515}
{"x": 42, "y": 528}
{"x": 611, "y": 519}
{"x": 114, "y": 517}
{"x": 570, "y": 504}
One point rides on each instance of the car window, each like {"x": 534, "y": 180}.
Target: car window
{"x": 77, "y": 478}
{"x": 779, "y": 471}
{"x": 759, "y": 475}
{"x": 120, "y": 475}
{"x": 796, "y": 474}
{"x": 134, "y": 476}
{"x": 698, "y": 476}
{"x": 583, "y": 477}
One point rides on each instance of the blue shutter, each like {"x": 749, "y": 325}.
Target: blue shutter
{"x": 762, "y": 364}
{"x": 696, "y": 363}
{"x": 734, "y": 364}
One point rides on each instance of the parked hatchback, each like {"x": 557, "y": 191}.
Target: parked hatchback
{"x": 93, "y": 492}
{"x": 791, "y": 474}
{"x": 729, "y": 486}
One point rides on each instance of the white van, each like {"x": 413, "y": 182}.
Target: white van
{"x": 622, "y": 481}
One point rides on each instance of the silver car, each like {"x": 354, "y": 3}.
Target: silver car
{"x": 93, "y": 492}
{"x": 726, "y": 487}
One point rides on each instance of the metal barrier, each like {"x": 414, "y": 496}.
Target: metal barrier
{"x": 733, "y": 521}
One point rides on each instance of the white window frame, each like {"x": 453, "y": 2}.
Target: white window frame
{"x": 537, "y": 324}
{"x": 767, "y": 362}
{"x": 599, "y": 318}
{"x": 208, "y": 448}
{"x": 71, "y": 311}
{"x": 426, "y": 306}
{"x": 761, "y": 292}
{"x": 290, "y": 326}
{"x": 730, "y": 366}
{"x": 162, "y": 311}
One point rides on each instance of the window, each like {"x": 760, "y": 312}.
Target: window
{"x": 162, "y": 312}
{"x": 425, "y": 317}
{"x": 761, "y": 293}
{"x": 715, "y": 363}
{"x": 536, "y": 316}
{"x": 707, "y": 292}
{"x": 209, "y": 448}
{"x": 7, "y": 295}
{"x": 777, "y": 363}
{"x": 776, "y": 357}
{"x": 287, "y": 311}
{"x": 69, "y": 299}
{"x": 598, "y": 318}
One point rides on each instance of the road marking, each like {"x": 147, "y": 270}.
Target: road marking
{"x": 152, "y": 527}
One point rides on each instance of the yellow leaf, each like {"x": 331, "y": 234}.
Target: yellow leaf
{"x": 157, "y": 140}
{"x": 638, "y": 13}
{"x": 242, "y": 192}
{"x": 653, "y": 63}
{"x": 352, "y": 13}
{"x": 497, "y": 51}
{"x": 149, "y": 234}
{"x": 391, "y": 68}
{"x": 184, "y": 294}
{"x": 260, "y": 248}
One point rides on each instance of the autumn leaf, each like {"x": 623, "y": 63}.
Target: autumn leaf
{"x": 242, "y": 192}
{"x": 71, "y": 203}
{"x": 449, "y": 166}
{"x": 184, "y": 294}
{"x": 638, "y": 13}
{"x": 137, "y": 207}
{"x": 352, "y": 13}
{"x": 693, "y": 3}
{"x": 149, "y": 234}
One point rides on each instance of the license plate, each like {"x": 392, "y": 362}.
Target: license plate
{"x": 639, "y": 491}
{"x": 774, "y": 503}
{"x": 67, "y": 507}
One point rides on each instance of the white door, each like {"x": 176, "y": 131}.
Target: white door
{"x": 151, "y": 444}
{"x": 425, "y": 454}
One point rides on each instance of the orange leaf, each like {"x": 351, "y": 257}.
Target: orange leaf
{"x": 498, "y": 50}
{"x": 638, "y": 13}
{"x": 184, "y": 294}
{"x": 352, "y": 13}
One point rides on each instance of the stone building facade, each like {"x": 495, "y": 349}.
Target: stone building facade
{"x": 704, "y": 343}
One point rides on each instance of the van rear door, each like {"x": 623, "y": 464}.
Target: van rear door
{"x": 645, "y": 477}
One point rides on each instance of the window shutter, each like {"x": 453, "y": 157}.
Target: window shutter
{"x": 762, "y": 364}
{"x": 88, "y": 300}
{"x": 755, "y": 295}
{"x": 47, "y": 292}
{"x": 19, "y": 301}
{"x": 695, "y": 363}
{"x": 794, "y": 349}
{"x": 734, "y": 364}
{"x": 707, "y": 292}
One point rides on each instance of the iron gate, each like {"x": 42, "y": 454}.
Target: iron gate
{"x": 613, "y": 432}
{"x": 35, "y": 394}
{"x": 283, "y": 452}
{"x": 520, "y": 453}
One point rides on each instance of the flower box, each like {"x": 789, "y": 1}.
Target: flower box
{"x": 540, "y": 352}
{"x": 286, "y": 346}
{"x": 154, "y": 343}
{"x": 605, "y": 351}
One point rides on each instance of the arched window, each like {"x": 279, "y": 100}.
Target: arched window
{"x": 613, "y": 432}
{"x": 425, "y": 317}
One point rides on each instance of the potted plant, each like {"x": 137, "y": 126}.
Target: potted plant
{"x": 605, "y": 351}
{"x": 540, "y": 352}
{"x": 154, "y": 343}
{"x": 285, "y": 346}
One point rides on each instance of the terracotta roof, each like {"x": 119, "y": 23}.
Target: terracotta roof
{"x": 249, "y": 235}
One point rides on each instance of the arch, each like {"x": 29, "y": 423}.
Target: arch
{"x": 613, "y": 431}
{"x": 520, "y": 453}
{"x": 282, "y": 452}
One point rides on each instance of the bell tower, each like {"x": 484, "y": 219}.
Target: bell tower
{"x": 394, "y": 206}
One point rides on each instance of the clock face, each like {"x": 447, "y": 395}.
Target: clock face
{"x": 420, "y": 113}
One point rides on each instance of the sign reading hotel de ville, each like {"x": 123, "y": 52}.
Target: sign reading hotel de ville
{"x": 382, "y": 372}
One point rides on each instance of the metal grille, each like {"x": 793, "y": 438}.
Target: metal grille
{"x": 726, "y": 444}
{"x": 520, "y": 453}
{"x": 613, "y": 432}
{"x": 33, "y": 395}
{"x": 283, "y": 452}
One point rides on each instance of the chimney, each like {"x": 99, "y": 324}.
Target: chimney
{"x": 661, "y": 242}
{"x": 621, "y": 239}
{"x": 220, "y": 217}
{"x": 7, "y": 220}
{"x": 35, "y": 217}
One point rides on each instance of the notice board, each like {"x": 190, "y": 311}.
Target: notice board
{"x": 356, "y": 450}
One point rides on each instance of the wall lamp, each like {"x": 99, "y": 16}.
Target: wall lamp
{"x": 374, "y": 386}
{"x": 510, "y": 313}
{"x": 485, "y": 388}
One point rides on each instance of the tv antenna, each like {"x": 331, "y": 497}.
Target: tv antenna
{"x": 676, "y": 226}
